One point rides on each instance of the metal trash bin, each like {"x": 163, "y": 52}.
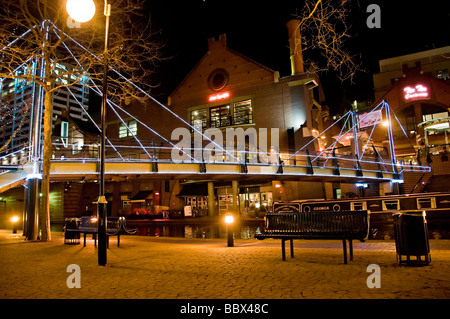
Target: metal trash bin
{"x": 71, "y": 234}
{"x": 411, "y": 238}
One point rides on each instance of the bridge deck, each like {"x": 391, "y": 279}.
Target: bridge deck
{"x": 219, "y": 171}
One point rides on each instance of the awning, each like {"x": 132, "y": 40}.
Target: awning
{"x": 200, "y": 189}
{"x": 440, "y": 124}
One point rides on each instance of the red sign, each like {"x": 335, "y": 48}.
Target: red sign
{"x": 219, "y": 96}
{"x": 417, "y": 92}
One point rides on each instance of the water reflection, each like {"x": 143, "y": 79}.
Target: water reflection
{"x": 196, "y": 231}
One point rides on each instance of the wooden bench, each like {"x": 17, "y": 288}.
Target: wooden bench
{"x": 337, "y": 225}
{"x": 115, "y": 226}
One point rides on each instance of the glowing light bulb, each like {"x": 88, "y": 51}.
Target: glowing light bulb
{"x": 80, "y": 10}
{"x": 229, "y": 219}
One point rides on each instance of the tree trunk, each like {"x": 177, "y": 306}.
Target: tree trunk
{"x": 44, "y": 212}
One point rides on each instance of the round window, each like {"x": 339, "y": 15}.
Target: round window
{"x": 218, "y": 79}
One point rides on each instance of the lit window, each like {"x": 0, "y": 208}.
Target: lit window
{"x": 442, "y": 74}
{"x": 220, "y": 116}
{"x": 199, "y": 116}
{"x": 130, "y": 131}
{"x": 243, "y": 113}
{"x": 65, "y": 133}
{"x": 428, "y": 117}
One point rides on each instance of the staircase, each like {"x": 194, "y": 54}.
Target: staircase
{"x": 415, "y": 182}
{"x": 11, "y": 179}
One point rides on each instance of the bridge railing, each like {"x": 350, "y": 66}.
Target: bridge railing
{"x": 163, "y": 153}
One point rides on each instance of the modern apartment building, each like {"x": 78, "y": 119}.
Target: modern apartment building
{"x": 19, "y": 96}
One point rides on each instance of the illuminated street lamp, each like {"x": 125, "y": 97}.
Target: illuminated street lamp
{"x": 14, "y": 221}
{"x": 82, "y": 11}
{"x": 229, "y": 221}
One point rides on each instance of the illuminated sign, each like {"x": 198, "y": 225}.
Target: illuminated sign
{"x": 219, "y": 96}
{"x": 417, "y": 92}
{"x": 370, "y": 119}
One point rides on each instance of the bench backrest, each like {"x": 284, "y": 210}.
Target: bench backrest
{"x": 88, "y": 222}
{"x": 112, "y": 222}
{"x": 353, "y": 224}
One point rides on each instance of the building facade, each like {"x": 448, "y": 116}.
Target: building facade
{"x": 417, "y": 87}
{"x": 229, "y": 91}
{"x": 19, "y": 96}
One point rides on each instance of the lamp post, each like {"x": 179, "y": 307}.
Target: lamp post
{"x": 14, "y": 221}
{"x": 229, "y": 221}
{"x": 82, "y": 11}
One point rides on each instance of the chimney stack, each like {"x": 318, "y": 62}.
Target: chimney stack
{"x": 295, "y": 46}
{"x": 217, "y": 44}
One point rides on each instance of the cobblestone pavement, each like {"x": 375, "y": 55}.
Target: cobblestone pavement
{"x": 172, "y": 268}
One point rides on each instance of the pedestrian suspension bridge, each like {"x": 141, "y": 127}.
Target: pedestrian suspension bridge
{"x": 153, "y": 159}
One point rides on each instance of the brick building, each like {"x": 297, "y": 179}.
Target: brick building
{"x": 229, "y": 90}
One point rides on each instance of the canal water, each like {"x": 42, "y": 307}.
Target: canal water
{"x": 381, "y": 228}
{"x": 196, "y": 230}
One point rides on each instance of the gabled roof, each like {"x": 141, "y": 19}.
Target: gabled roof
{"x": 219, "y": 55}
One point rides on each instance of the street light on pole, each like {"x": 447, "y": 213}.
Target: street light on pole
{"x": 83, "y": 11}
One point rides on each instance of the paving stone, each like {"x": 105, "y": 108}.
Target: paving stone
{"x": 161, "y": 268}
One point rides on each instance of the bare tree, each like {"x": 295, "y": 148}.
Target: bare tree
{"x": 325, "y": 28}
{"x": 8, "y": 114}
{"x": 38, "y": 29}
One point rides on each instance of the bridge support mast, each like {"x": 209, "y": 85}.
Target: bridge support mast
{"x": 211, "y": 200}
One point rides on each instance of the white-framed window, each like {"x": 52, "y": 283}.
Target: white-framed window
{"x": 65, "y": 133}
{"x": 76, "y": 147}
{"x": 130, "y": 131}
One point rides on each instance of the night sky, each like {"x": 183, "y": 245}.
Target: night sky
{"x": 257, "y": 30}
